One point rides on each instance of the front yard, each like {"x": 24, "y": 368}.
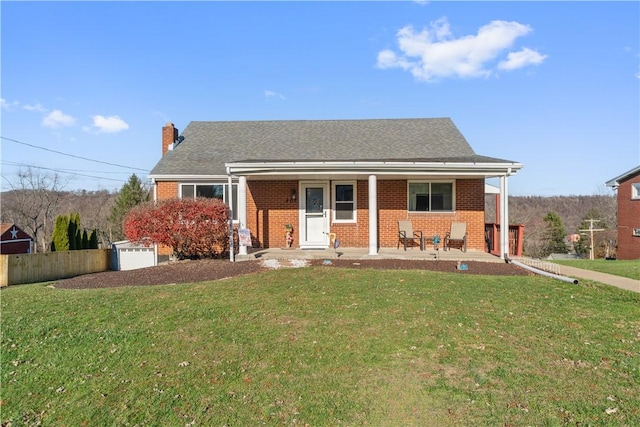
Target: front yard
{"x": 323, "y": 346}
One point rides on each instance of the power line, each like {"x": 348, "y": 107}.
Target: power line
{"x": 11, "y": 163}
{"x": 62, "y": 171}
{"x": 72, "y": 155}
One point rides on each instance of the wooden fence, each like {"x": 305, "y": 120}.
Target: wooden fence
{"x": 44, "y": 267}
{"x": 516, "y": 239}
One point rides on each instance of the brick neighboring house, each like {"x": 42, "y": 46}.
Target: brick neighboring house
{"x": 13, "y": 240}
{"x": 627, "y": 186}
{"x": 355, "y": 178}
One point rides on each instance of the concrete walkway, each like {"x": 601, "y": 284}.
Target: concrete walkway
{"x": 608, "y": 279}
{"x": 429, "y": 254}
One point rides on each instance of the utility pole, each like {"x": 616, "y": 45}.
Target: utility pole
{"x": 591, "y": 231}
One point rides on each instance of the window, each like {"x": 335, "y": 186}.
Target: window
{"x": 635, "y": 190}
{"x": 636, "y": 232}
{"x": 212, "y": 191}
{"x": 344, "y": 202}
{"x": 430, "y": 196}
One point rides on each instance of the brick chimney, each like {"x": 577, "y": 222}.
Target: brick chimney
{"x": 169, "y": 136}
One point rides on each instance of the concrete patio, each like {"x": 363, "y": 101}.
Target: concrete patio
{"x": 429, "y": 253}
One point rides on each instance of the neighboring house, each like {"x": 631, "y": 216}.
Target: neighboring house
{"x": 14, "y": 241}
{"x": 355, "y": 178}
{"x": 628, "y": 188}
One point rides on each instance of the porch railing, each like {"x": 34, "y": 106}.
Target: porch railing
{"x": 492, "y": 239}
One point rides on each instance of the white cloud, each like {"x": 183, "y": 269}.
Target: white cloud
{"x": 57, "y": 118}
{"x": 6, "y": 105}
{"x": 272, "y": 94}
{"x": 521, "y": 59}
{"x": 37, "y": 107}
{"x": 435, "y": 53}
{"x": 111, "y": 124}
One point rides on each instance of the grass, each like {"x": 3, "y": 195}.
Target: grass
{"x": 623, "y": 268}
{"x": 323, "y": 346}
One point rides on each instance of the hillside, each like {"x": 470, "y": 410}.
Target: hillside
{"x": 530, "y": 211}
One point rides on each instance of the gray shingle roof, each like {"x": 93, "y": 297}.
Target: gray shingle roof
{"x": 207, "y": 146}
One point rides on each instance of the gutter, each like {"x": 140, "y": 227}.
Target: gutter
{"x": 392, "y": 165}
{"x": 541, "y": 272}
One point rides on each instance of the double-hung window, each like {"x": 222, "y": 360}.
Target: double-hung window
{"x": 635, "y": 190}
{"x": 211, "y": 191}
{"x": 425, "y": 196}
{"x": 344, "y": 202}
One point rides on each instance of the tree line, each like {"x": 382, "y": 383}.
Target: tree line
{"x": 37, "y": 201}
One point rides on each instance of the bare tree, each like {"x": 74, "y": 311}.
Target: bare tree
{"x": 32, "y": 204}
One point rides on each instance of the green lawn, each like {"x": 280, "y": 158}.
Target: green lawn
{"x": 630, "y": 269}
{"x": 323, "y": 346}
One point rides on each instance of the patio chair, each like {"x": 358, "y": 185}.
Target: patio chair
{"x": 406, "y": 235}
{"x": 457, "y": 235}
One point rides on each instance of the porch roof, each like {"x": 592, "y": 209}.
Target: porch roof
{"x": 476, "y": 166}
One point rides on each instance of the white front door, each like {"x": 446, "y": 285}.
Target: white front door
{"x": 314, "y": 208}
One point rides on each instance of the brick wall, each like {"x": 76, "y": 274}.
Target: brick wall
{"x": 628, "y": 219}
{"x": 392, "y": 204}
{"x": 166, "y": 190}
{"x": 269, "y": 209}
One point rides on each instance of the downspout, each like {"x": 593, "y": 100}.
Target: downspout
{"x": 541, "y": 272}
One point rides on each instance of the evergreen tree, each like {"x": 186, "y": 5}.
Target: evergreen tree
{"x": 85, "y": 239}
{"x": 72, "y": 230}
{"x": 554, "y": 234}
{"x": 78, "y": 234}
{"x": 93, "y": 240}
{"x": 131, "y": 194}
{"x": 60, "y": 236}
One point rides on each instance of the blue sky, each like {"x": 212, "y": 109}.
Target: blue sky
{"x": 554, "y": 85}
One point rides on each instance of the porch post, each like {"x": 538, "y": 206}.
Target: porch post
{"x": 373, "y": 215}
{"x": 504, "y": 217}
{"x": 231, "y": 248}
{"x": 242, "y": 208}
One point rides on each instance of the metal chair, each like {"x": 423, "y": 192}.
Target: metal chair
{"x": 458, "y": 234}
{"x": 406, "y": 235}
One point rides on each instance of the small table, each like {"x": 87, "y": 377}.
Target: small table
{"x": 434, "y": 240}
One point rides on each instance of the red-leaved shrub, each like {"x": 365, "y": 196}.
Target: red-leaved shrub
{"x": 193, "y": 228}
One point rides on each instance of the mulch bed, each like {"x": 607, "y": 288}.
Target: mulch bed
{"x": 210, "y": 269}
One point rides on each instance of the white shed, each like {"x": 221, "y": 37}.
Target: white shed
{"x": 130, "y": 256}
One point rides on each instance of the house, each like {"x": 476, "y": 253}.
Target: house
{"x": 354, "y": 178}
{"x": 628, "y": 202}
{"x": 14, "y": 241}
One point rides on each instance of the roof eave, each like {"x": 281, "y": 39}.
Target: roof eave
{"x": 375, "y": 167}
{"x": 615, "y": 182}
{"x": 185, "y": 177}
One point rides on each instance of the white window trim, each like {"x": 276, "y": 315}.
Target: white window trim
{"x": 635, "y": 232}
{"x": 355, "y": 202}
{"x": 224, "y": 192}
{"x": 635, "y": 191}
{"x": 435, "y": 181}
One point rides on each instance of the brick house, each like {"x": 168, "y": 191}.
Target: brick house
{"x": 355, "y": 178}
{"x": 14, "y": 240}
{"x": 628, "y": 202}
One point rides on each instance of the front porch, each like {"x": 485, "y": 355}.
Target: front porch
{"x": 429, "y": 254}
